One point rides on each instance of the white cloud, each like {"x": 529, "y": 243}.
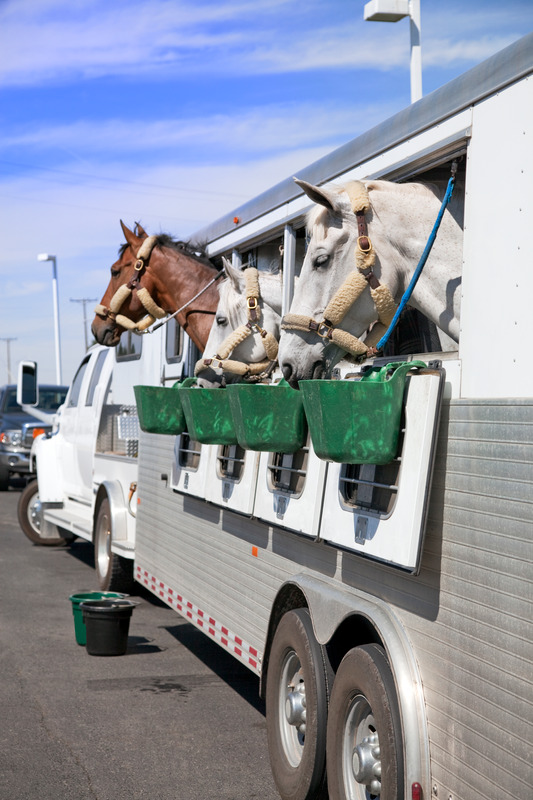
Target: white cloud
{"x": 54, "y": 42}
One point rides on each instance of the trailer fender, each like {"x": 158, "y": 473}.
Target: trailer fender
{"x": 329, "y": 608}
{"x": 117, "y": 505}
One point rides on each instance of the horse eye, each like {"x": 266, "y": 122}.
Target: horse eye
{"x": 222, "y": 320}
{"x": 115, "y": 273}
{"x": 321, "y": 260}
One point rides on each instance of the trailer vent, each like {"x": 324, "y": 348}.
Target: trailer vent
{"x": 287, "y": 471}
{"x": 230, "y": 462}
{"x": 369, "y": 486}
{"x": 189, "y": 453}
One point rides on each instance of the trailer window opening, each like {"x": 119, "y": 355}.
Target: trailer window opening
{"x": 287, "y": 471}
{"x": 174, "y": 341}
{"x": 189, "y": 453}
{"x": 130, "y": 346}
{"x": 230, "y": 462}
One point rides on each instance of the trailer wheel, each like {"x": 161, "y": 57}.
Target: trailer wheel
{"x": 114, "y": 573}
{"x": 297, "y": 692}
{"x": 364, "y": 745}
{"x": 31, "y": 521}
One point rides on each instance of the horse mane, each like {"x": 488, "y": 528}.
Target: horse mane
{"x": 189, "y": 248}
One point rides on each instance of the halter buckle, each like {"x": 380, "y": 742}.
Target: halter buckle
{"x": 368, "y": 247}
{"x": 139, "y": 264}
{"x": 324, "y": 330}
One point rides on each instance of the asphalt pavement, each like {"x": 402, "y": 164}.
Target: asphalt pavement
{"x": 175, "y": 718}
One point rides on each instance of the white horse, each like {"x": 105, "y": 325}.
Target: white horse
{"x": 400, "y": 218}
{"x": 231, "y": 313}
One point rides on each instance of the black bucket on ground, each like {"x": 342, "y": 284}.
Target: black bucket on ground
{"x": 107, "y": 622}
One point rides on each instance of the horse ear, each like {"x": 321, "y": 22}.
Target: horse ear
{"x": 133, "y": 240}
{"x": 140, "y": 230}
{"x": 234, "y": 274}
{"x": 320, "y": 195}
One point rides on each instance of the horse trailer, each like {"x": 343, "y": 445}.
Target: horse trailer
{"x": 385, "y": 608}
{"x": 383, "y": 601}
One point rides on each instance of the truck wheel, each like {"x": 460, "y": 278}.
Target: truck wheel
{"x": 114, "y": 573}
{"x": 364, "y": 746}
{"x": 297, "y": 692}
{"x": 32, "y": 523}
{"x": 4, "y": 478}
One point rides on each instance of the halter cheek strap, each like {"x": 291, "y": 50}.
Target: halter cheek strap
{"x": 258, "y": 369}
{"x": 124, "y": 292}
{"x": 352, "y": 288}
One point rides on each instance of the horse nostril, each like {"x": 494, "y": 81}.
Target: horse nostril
{"x": 317, "y": 370}
{"x": 287, "y": 371}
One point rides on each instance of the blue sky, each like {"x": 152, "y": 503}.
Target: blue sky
{"x": 174, "y": 112}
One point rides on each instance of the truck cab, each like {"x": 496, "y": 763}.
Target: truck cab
{"x": 87, "y": 465}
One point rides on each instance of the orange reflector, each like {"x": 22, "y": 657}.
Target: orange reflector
{"x": 255, "y": 552}
{"x": 416, "y": 792}
{"x": 138, "y": 501}
{"x": 37, "y": 432}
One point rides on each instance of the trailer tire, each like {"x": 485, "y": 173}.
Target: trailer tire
{"x": 30, "y": 519}
{"x": 114, "y": 572}
{"x": 364, "y": 745}
{"x": 297, "y": 694}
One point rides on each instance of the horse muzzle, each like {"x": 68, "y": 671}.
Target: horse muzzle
{"x": 106, "y": 331}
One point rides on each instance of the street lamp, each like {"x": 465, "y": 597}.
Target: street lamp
{"x": 393, "y": 11}
{"x": 46, "y": 257}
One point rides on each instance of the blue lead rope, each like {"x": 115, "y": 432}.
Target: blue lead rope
{"x": 424, "y": 257}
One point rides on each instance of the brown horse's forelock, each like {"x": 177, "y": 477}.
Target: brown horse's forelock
{"x": 165, "y": 240}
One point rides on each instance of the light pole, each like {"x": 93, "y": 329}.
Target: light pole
{"x": 8, "y": 340}
{"x": 393, "y": 11}
{"x": 46, "y": 257}
{"x": 84, "y": 301}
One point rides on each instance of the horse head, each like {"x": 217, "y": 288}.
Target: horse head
{"x": 332, "y": 227}
{"x": 155, "y": 276}
{"x": 365, "y": 243}
{"x": 232, "y": 316}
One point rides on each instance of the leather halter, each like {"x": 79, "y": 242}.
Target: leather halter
{"x": 352, "y": 288}
{"x": 259, "y": 369}
{"x": 124, "y": 292}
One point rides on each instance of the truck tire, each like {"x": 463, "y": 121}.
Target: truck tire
{"x": 31, "y": 521}
{"x": 4, "y": 478}
{"x": 297, "y": 693}
{"x": 114, "y": 573}
{"x": 364, "y": 746}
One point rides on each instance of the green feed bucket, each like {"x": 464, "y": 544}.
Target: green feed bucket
{"x": 159, "y": 409}
{"x": 268, "y": 417}
{"x": 208, "y": 415}
{"x": 80, "y": 597}
{"x": 357, "y": 422}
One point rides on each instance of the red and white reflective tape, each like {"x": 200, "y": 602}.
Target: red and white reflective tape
{"x": 245, "y": 652}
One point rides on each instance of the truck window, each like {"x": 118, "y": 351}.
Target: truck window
{"x": 95, "y": 377}
{"x": 74, "y": 394}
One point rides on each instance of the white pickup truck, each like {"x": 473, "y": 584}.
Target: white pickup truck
{"x": 87, "y": 465}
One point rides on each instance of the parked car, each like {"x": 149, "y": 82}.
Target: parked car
{"x": 18, "y": 429}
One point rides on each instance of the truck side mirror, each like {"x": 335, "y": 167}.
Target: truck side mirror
{"x": 27, "y": 387}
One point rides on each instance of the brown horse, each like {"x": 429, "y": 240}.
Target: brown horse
{"x": 156, "y": 275}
